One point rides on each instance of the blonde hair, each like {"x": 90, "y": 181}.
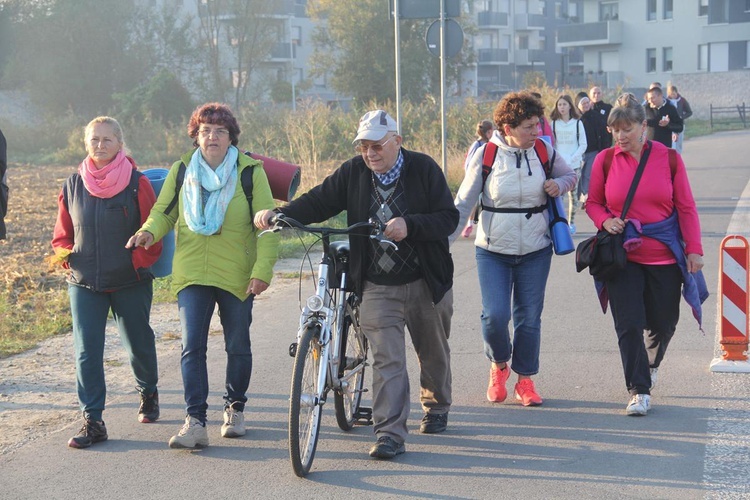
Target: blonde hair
{"x": 116, "y": 128}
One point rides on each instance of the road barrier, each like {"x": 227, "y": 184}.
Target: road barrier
{"x": 734, "y": 262}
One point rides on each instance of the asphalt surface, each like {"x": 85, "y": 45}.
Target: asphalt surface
{"x": 693, "y": 443}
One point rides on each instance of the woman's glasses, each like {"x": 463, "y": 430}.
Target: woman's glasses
{"x": 217, "y": 132}
{"x": 377, "y": 147}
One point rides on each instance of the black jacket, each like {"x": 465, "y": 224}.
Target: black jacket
{"x": 431, "y": 215}
{"x": 597, "y": 135}
{"x": 654, "y": 116}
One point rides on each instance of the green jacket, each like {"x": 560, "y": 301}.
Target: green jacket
{"x": 229, "y": 259}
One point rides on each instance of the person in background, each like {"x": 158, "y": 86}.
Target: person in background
{"x": 663, "y": 233}
{"x": 662, "y": 118}
{"x": 409, "y": 287}
{"x": 602, "y": 109}
{"x": 685, "y": 112}
{"x": 570, "y": 143}
{"x": 545, "y": 130}
{"x": 483, "y": 133}
{"x": 597, "y": 136}
{"x": 513, "y": 245}
{"x": 218, "y": 260}
{"x": 99, "y": 207}
{"x": 3, "y": 185}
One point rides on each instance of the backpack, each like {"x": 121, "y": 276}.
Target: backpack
{"x": 490, "y": 151}
{"x": 246, "y": 178}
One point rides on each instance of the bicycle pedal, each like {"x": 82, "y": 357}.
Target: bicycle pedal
{"x": 363, "y": 416}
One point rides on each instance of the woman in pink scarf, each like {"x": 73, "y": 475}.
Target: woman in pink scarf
{"x": 100, "y": 206}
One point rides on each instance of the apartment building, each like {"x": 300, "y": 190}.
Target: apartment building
{"x": 635, "y": 42}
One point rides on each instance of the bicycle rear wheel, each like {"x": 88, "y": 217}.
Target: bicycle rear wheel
{"x": 352, "y": 360}
{"x": 304, "y": 403}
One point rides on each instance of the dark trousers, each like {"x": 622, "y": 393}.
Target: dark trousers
{"x": 645, "y": 302}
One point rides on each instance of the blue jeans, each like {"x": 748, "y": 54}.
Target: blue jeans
{"x": 131, "y": 308}
{"x": 524, "y": 279}
{"x": 196, "y": 304}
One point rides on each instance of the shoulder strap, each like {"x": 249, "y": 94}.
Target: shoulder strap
{"x": 578, "y": 132}
{"x": 636, "y": 179}
{"x": 177, "y": 186}
{"x": 490, "y": 151}
{"x": 541, "y": 151}
{"x": 608, "y": 156}
{"x": 672, "y": 162}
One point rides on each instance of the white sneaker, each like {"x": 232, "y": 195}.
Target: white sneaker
{"x": 638, "y": 405}
{"x": 234, "y": 423}
{"x": 654, "y": 373}
{"x": 192, "y": 435}
{"x": 572, "y": 229}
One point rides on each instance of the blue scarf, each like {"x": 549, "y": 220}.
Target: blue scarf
{"x": 207, "y": 218}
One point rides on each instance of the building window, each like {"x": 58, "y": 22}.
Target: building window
{"x": 667, "y": 58}
{"x": 703, "y": 57}
{"x": 651, "y": 10}
{"x": 650, "y": 60}
{"x": 702, "y": 7}
{"x": 747, "y": 54}
{"x": 523, "y": 42}
{"x": 297, "y": 35}
{"x": 668, "y": 9}
{"x": 747, "y": 5}
{"x": 609, "y": 11}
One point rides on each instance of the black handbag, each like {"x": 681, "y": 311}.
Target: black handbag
{"x": 604, "y": 253}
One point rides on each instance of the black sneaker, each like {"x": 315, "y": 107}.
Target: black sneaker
{"x": 387, "y": 447}
{"x": 432, "y": 423}
{"x": 91, "y": 432}
{"x": 149, "y": 410}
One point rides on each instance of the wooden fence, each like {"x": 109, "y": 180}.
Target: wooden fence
{"x": 728, "y": 114}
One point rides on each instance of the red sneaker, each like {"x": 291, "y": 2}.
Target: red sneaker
{"x": 496, "y": 392}
{"x": 526, "y": 393}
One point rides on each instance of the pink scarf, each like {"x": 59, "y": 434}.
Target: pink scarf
{"x": 108, "y": 180}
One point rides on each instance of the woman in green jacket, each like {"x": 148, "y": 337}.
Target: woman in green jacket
{"x": 218, "y": 259}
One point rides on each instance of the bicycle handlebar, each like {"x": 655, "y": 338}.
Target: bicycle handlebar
{"x": 279, "y": 221}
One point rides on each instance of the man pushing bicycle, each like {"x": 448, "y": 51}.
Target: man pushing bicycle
{"x": 409, "y": 287}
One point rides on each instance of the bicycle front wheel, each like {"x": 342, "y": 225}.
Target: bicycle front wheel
{"x": 304, "y": 404}
{"x": 352, "y": 362}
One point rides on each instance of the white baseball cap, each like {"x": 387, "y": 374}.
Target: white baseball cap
{"x": 374, "y": 125}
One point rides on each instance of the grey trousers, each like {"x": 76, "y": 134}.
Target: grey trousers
{"x": 384, "y": 314}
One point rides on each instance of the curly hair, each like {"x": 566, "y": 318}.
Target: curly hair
{"x": 516, "y": 107}
{"x": 214, "y": 113}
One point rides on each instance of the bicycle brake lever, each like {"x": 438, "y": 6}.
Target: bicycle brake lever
{"x": 382, "y": 239}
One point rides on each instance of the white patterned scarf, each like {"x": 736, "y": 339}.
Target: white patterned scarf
{"x": 207, "y": 218}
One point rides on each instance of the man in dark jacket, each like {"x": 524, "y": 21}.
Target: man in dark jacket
{"x": 3, "y": 185}
{"x": 409, "y": 287}
{"x": 598, "y": 138}
{"x": 661, "y": 117}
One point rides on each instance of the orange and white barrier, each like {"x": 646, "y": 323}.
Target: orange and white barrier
{"x": 734, "y": 284}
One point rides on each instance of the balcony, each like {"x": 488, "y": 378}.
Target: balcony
{"x": 488, "y": 57}
{"x": 579, "y": 35}
{"x": 528, "y": 57}
{"x": 488, "y": 19}
{"x": 528, "y": 22}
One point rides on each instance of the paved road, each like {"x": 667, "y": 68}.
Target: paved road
{"x": 579, "y": 444}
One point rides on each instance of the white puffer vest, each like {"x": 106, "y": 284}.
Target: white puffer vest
{"x": 515, "y": 181}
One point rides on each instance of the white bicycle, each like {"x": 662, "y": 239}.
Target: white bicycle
{"x": 330, "y": 352}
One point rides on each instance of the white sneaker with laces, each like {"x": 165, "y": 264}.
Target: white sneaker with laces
{"x": 654, "y": 373}
{"x": 234, "y": 423}
{"x": 638, "y": 405}
{"x": 192, "y": 435}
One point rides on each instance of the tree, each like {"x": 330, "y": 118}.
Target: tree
{"x": 72, "y": 55}
{"x": 355, "y": 46}
{"x": 238, "y": 36}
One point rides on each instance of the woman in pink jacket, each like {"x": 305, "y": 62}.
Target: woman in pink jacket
{"x": 646, "y": 294}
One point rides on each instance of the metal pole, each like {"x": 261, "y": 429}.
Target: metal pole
{"x": 444, "y": 156}
{"x": 291, "y": 61}
{"x": 397, "y": 39}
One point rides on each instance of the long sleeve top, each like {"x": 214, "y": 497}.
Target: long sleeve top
{"x": 657, "y": 196}
{"x": 570, "y": 141}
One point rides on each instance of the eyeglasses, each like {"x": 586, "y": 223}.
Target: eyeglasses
{"x": 218, "y": 132}
{"x": 377, "y": 147}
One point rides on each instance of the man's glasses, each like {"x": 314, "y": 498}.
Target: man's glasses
{"x": 218, "y": 132}
{"x": 377, "y": 147}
